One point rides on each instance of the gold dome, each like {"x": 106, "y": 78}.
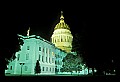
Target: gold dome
{"x": 61, "y": 24}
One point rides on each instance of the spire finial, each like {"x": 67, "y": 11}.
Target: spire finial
{"x": 61, "y": 15}
{"x": 61, "y": 18}
{"x": 28, "y": 31}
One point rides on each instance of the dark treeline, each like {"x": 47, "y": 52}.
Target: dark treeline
{"x": 9, "y": 40}
{"x": 97, "y": 44}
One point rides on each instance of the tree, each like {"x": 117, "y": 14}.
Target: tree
{"x": 97, "y": 41}
{"x": 79, "y": 67}
{"x": 37, "y": 67}
{"x": 98, "y": 52}
{"x": 9, "y": 41}
{"x": 77, "y": 44}
{"x": 71, "y": 63}
{"x": 7, "y": 51}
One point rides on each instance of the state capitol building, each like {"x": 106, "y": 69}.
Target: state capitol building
{"x": 49, "y": 53}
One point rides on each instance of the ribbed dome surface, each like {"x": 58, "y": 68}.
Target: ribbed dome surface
{"x": 61, "y": 24}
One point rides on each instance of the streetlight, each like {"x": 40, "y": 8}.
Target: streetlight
{"x": 21, "y": 67}
{"x": 84, "y": 68}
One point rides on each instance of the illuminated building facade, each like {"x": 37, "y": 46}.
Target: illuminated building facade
{"x": 36, "y": 48}
{"x": 49, "y": 54}
{"x": 62, "y": 37}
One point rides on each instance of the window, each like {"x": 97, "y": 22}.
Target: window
{"x": 50, "y": 68}
{"x": 65, "y": 39}
{"x": 10, "y": 67}
{"x": 39, "y": 57}
{"x": 49, "y": 60}
{"x": 61, "y": 40}
{"x": 43, "y": 49}
{"x": 28, "y": 47}
{"x": 42, "y": 58}
{"x": 46, "y": 50}
{"x": 46, "y": 60}
{"x": 55, "y": 62}
{"x": 18, "y": 57}
{"x": 43, "y": 68}
{"x": 26, "y": 68}
{"x": 27, "y": 56}
{"x": 39, "y": 48}
{"x": 53, "y": 69}
{"x": 52, "y": 60}
{"x": 55, "y": 40}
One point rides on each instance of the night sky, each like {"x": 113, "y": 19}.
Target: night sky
{"x": 97, "y": 22}
{"x": 94, "y": 19}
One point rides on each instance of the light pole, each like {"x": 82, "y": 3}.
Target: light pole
{"x": 84, "y": 69}
{"x": 21, "y": 67}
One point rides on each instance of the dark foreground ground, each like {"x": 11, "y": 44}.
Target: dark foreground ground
{"x": 61, "y": 78}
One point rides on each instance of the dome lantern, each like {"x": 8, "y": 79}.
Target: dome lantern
{"x": 62, "y": 24}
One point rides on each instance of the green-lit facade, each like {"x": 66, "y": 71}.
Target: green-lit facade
{"x": 36, "y": 48}
{"x": 49, "y": 54}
